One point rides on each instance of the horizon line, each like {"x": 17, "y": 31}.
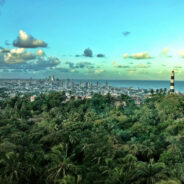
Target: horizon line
{"x": 87, "y": 79}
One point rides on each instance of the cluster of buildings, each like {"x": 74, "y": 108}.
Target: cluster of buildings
{"x": 72, "y": 88}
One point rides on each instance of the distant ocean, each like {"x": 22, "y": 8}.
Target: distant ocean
{"x": 142, "y": 84}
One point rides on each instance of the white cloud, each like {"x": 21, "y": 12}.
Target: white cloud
{"x": 27, "y": 41}
{"x": 165, "y": 51}
{"x": 18, "y": 55}
{"x": 141, "y": 55}
{"x": 40, "y": 53}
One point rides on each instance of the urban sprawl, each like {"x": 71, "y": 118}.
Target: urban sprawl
{"x": 72, "y": 88}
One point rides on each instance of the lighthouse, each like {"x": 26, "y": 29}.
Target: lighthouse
{"x": 172, "y": 83}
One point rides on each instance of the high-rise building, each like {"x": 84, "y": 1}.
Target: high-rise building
{"x": 88, "y": 85}
{"x": 52, "y": 78}
{"x": 72, "y": 84}
{"x": 80, "y": 84}
{"x": 172, "y": 82}
{"x": 106, "y": 84}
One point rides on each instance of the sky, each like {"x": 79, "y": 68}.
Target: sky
{"x": 92, "y": 39}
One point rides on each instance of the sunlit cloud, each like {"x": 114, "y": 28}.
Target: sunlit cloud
{"x": 125, "y": 56}
{"x": 27, "y": 41}
{"x": 165, "y": 51}
{"x": 141, "y": 55}
{"x": 40, "y": 53}
{"x": 19, "y": 59}
{"x": 18, "y": 55}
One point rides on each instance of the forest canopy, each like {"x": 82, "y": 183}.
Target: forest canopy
{"x": 92, "y": 141}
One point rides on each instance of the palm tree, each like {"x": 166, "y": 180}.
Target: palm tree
{"x": 178, "y": 171}
{"x": 165, "y": 91}
{"x": 12, "y": 170}
{"x": 149, "y": 173}
{"x": 161, "y": 91}
{"x": 152, "y": 91}
{"x": 157, "y": 91}
{"x": 60, "y": 165}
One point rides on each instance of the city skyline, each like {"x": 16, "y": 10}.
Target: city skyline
{"x": 101, "y": 40}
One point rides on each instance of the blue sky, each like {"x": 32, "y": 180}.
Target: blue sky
{"x": 152, "y": 47}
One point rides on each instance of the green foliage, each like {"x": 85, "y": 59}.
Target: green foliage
{"x": 92, "y": 141}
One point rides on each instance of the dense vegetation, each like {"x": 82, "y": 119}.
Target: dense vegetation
{"x": 92, "y": 141}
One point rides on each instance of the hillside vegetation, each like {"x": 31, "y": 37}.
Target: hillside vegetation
{"x": 92, "y": 141}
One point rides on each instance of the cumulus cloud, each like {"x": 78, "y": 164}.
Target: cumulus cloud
{"x": 100, "y": 55}
{"x": 125, "y": 56}
{"x": 44, "y": 63}
{"x": 18, "y": 55}
{"x": 20, "y": 60}
{"x": 27, "y": 41}
{"x": 141, "y": 55}
{"x": 4, "y": 50}
{"x": 40, "y": 53}
{"x": 165, "y": 52}
{"x": 88, "y": 52}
